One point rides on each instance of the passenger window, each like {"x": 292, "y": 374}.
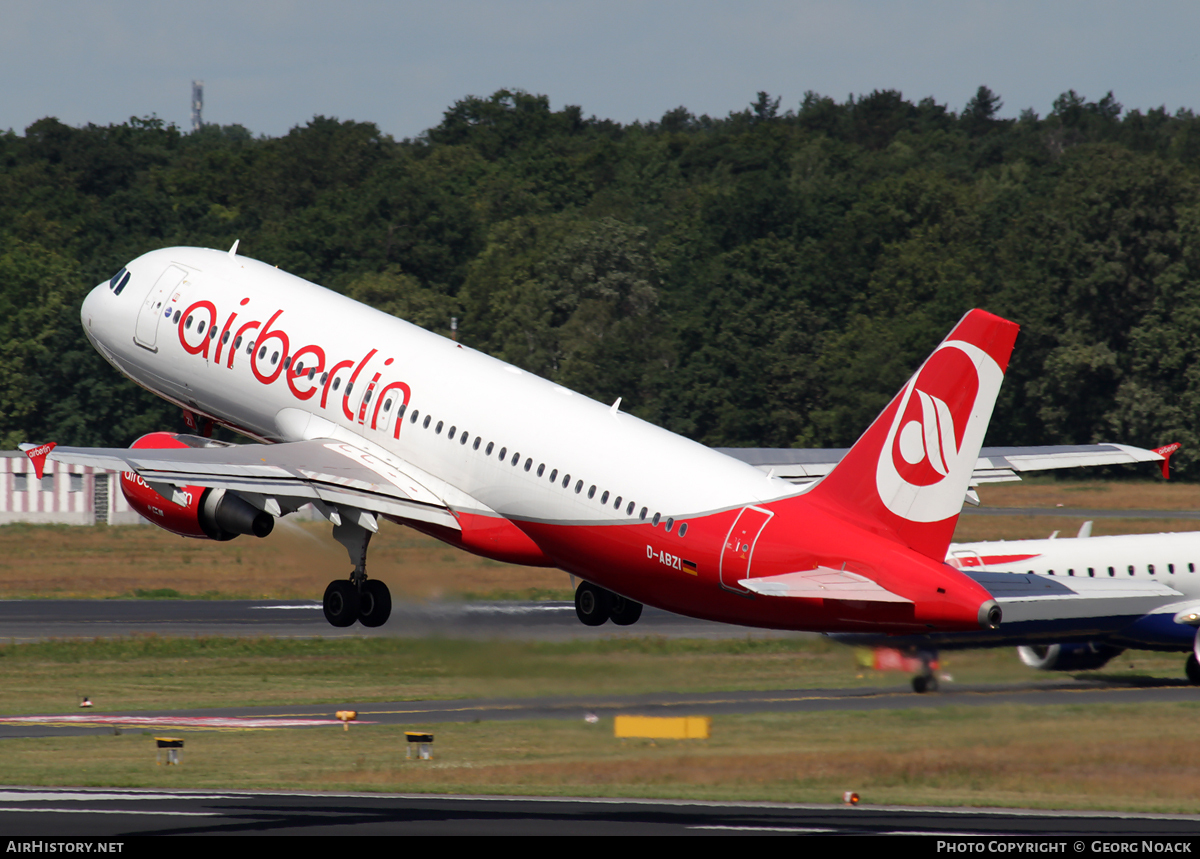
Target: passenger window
{"x": 670, "y": 525}
{"x": 464, "y": 437}
{"x": 175, "y": 321}
{"x": 425, "y": 423}
{"x": 1131, "y": 569}
{"x": 1091, "y": 572}
{"x": 566, "y": 480}
{"x": 578, "y": 487}
{"x": 488, "y": 450}
{"x": 516, "y": 458}
{"x": 604, "y": 498}
{"x": 503, "y": 453}
{"x": 475, "y": 446}
{"x": 642, "y": 515}
{"x": 592, "y": 492}
{"x": 188, "y": 324}
{"x": 682, "y": 528}
{"x": 212, "y": 333}
{"x": 553, "y": 475}
{"x": 1111, "y": 572}
{"x": 437, "y": 429}
{"x": 337, "y": 383}
{"x": 453, "y": 432}
{"x": 262, "y": 353}
{"x": 528, "y": 464}
{"x": 1150, "y": 569}
{"x": 657, "y": 516}
{"x": 541, "y": 469}
{"x": 629, "y": 509}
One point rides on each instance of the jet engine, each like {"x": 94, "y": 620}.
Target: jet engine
{"x": 192, "y": 511}
{"x": 1068, "y": 657}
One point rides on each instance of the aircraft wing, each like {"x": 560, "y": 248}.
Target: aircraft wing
{"x": 336, "y": 477}
{"x": 1031, "y": 597}
{"x": 995, "y": 464}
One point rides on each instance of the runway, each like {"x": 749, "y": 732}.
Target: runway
{"x": 116, "y": 814}
{"x": 39, "y": 620}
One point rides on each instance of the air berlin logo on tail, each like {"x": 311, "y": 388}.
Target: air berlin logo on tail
{"x": 926, "y": 463}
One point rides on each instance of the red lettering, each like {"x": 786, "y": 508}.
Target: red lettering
{"x": 346, "y": 396}
{"x": 294, "y": 374}
{"x": 200, "y": 348}
{"x": 362, "y": 410}
{"x": 268, "y": 334}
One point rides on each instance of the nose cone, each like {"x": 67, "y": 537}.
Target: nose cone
{"x": 91, "y": 305}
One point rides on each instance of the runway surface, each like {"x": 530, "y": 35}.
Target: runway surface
{"x": 37, "y": 620}
{"x": 118, "y": 813}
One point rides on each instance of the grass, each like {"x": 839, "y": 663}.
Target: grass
{"x": 1097, "y": 757}
{"x": 1128, "y": 757}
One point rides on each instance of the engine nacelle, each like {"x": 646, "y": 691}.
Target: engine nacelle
{"x": 1068, "y": 657}
{"x": 205, "y": 513}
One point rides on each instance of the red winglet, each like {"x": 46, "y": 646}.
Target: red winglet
{"x": 37, "y": 455}
{"x": 1165, "y": 452}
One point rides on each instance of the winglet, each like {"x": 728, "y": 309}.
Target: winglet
{"x": 1165, "y": 452}
{"x": 233, "y": 250}
{"x": 37, "y": 455}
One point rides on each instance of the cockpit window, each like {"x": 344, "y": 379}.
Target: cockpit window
{"x": 117, "y": 282}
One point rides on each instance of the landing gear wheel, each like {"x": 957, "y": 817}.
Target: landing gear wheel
{"x": 593, "y": 605}
{"x": 625, "y": 612}
{"x": 374, "y": 603}
{"x": 341, "y": 603}
{"x": 1192, "y": 667}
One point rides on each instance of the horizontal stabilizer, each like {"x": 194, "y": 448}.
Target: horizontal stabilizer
{"x": 1026, "y": 597}
{"x": 995, "y": 464}
{"x": 822, "y": 583}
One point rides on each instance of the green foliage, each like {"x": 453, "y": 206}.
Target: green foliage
{"x": 767, "y": 278}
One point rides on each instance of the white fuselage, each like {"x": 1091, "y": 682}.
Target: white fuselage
{"x": 444, "y": 384}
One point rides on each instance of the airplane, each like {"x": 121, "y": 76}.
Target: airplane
{"x": 1073, "y": 604}
{"x": 366, "y": 416}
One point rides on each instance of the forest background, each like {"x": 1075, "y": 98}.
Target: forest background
{"x": 768, "y": 279}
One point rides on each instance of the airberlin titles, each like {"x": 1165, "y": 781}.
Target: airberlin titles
{"x": 305, "y": 370}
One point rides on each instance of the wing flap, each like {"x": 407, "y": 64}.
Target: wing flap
{"x": 822, "y": 583}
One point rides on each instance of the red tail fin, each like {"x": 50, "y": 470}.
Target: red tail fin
{"x": 908, "y": 473}
{"x": 37, "y": 455}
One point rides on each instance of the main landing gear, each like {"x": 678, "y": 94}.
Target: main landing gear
{"x": 594, "y": 605}
{"x": 367, "y": 601}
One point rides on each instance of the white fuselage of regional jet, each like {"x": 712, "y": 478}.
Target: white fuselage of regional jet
{"x": 397, "y": 388}
{"x": 1127, "y": 562}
